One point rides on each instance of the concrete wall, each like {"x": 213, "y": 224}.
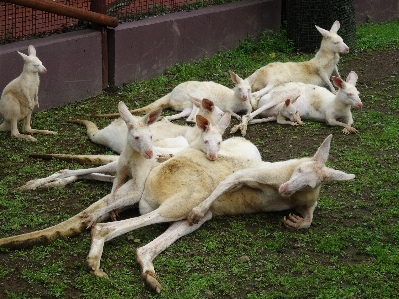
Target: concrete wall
{"x": 145, "y": 48}
{"x": 376, "y": 11}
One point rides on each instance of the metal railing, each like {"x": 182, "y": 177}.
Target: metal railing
{"x": 19, "y": 21}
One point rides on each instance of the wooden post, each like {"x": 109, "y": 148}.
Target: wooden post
{"x": 100, "y": 6}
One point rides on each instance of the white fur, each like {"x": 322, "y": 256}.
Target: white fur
{"x": 236, "y": 100}
{"x": 20, "y": 97}
{"x": 316, "y": 71}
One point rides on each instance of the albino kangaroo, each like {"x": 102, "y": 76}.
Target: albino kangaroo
{"x": 282, "y": 112}
{"x": 132, "y": 165}
{"x": 175, "y": 137}
{"x": 180, "y": 184}
{"x": 114, "y": 135}
{"x": 316, "y": 71}
{"x": 20, "y": 97}
{"x": 235, "y": 100}
{"x": 317, "y": 103}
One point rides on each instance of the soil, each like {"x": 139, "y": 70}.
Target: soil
{"x": 374, "y": 70}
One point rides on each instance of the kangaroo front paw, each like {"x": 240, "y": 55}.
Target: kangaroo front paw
{"x": 296, "y": 222}
{"x": 195, "y": 216}
{"x": 347, "y": 131}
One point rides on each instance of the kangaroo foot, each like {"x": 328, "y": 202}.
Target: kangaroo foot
{"x": 150, "y": 280}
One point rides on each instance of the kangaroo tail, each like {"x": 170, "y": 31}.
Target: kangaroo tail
{"x": 160, "y": 103}
{"x": 67, "y": 228}
{"x": 83, "y": 159}
{"x": 91, "y": 127}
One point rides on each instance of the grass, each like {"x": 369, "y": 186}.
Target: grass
{"x": 350, "y": 251}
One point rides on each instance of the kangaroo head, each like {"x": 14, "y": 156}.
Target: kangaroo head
{"x": 243, "y": 86}
{"x": 32, "y": 63}
{"x": 310, "y": 174}
{"x": 332, "y": 41}
{"x": 347, "y": 92}
{"x": 207, "y": 109}
{"x": 288, "y": 110}
{"x": 139, "y": 136}
{"x": 211, "y": 136}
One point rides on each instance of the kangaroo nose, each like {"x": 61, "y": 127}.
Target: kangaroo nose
{"x": 148, "y": 154}
{"x": 244, "y": 97}
{"x": 44, "y": 70}
{"x": 212, "y": 156}
{"x": 346, "y": 50}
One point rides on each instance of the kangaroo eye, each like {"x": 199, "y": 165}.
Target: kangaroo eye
{"x": 206, "y": 142}
{"x": 137, "y": 138}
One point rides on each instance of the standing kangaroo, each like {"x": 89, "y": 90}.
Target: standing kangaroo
{"x": 316, "y": 71}
{"x": 20, "y": 97}
{"x": 236, "y": 100}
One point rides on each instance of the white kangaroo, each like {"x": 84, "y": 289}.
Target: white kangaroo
{"x": 20, "y": 97}
{"x": 257, "y": 187}
{"x": 114, "y": 135}
{"x": 236, "y": 100}
{"x": 136, "y": 161}
{"x": 174, "y": 188}
{"x": 282, "y": 112}
{"x": 317, "y": 103}
{"x": 316, "y": 71}
{"x": 167, "y": 135}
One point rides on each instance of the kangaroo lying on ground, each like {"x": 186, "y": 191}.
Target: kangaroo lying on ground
{"x": 245, "y": 185}
{"x": 283, "y": 113}
{"x": 136, "y": 161}
{"x": 317, "y": 103}
{"x": 236, "y": 100}
{"x": 316, "y": 71}
{"x": 20, "y": 97}
{"x": 167, "y": 135}
{"x": 114, "y": 135}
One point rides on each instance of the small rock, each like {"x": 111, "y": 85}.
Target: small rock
{"x": 244, "y": 258}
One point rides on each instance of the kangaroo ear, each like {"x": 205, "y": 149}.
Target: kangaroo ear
{"x": 236, "y": 79}
{"x": 352, "y": 78}
{"x": 323, "y": 32}
{"x": 336, "y": 175}
{"x": 338, "y": 82}
{"x": 194, "y": 100}
{"x": 152, "y": 117}
{"x": 202, "y": 123}
{"x": 31, "y": 50}
{"x": 335, "y": 27}
{"x": 125, "y": 113}
{"x": 224, "y": 122}
{"x": 323, "y": 151}
{"x": 293, "y": 100}
{"x": 208, "y": 105}
{"x": 252, "y": 77}
{"x": 24, "y": 56}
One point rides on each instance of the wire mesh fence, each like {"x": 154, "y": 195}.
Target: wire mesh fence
{"x": 303, "y": 15}
{"x": 19, "y": 23}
